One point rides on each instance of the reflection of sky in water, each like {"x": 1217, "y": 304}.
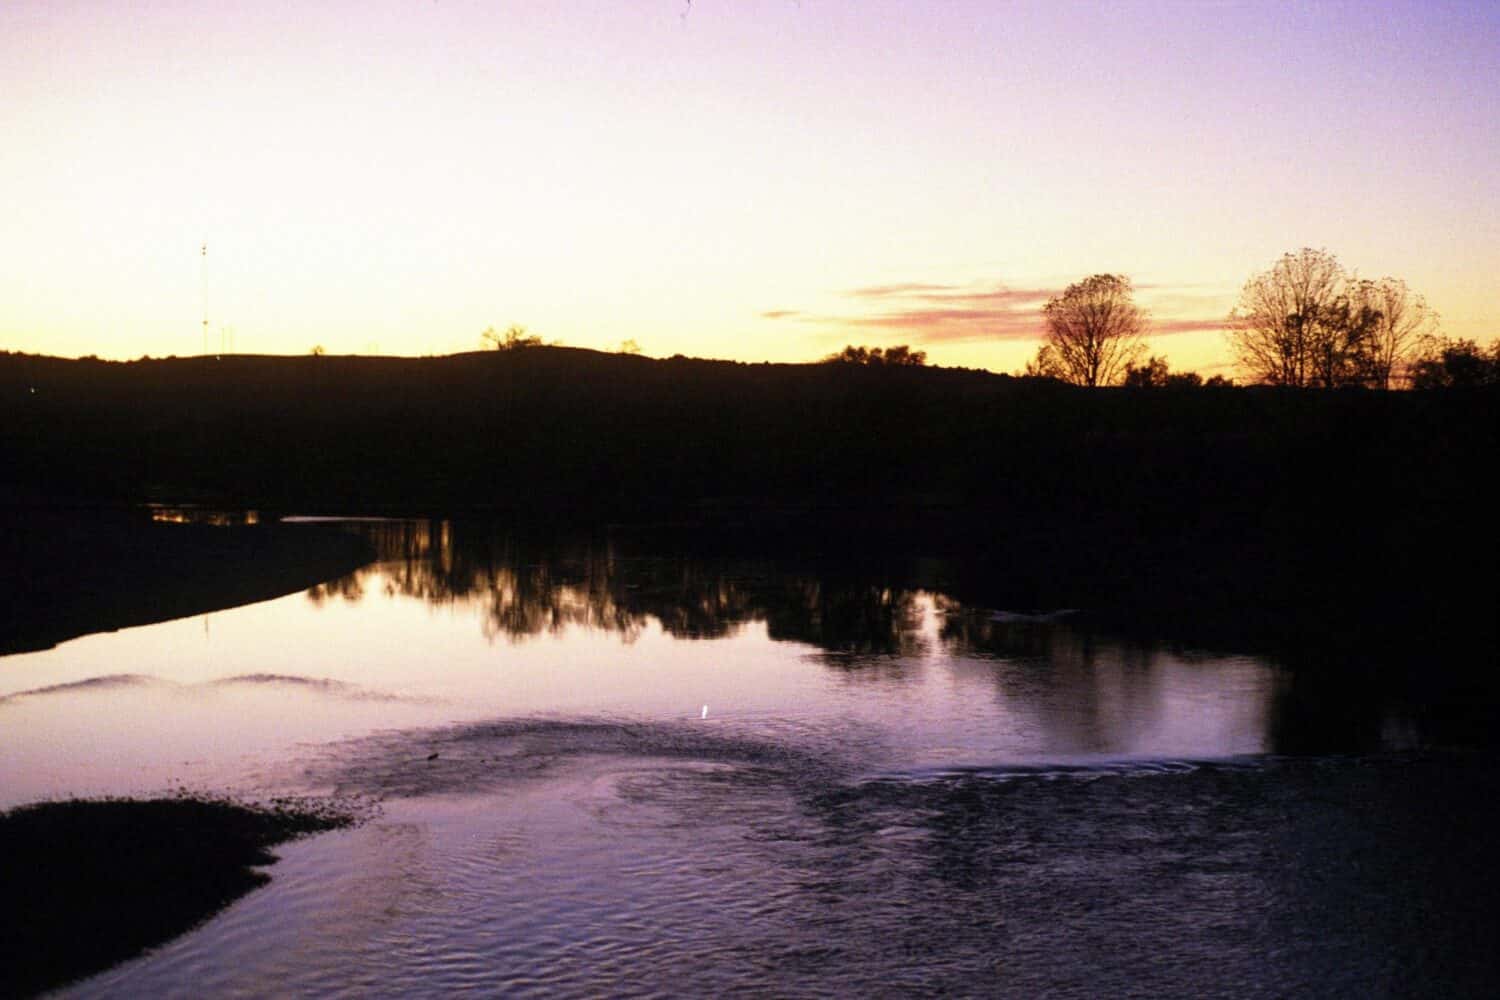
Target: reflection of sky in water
{"x": 892, "y": 792}
{"x": 233, "y": 700}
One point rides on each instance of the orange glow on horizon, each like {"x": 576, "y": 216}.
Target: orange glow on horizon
{"x": 396, "y": 181}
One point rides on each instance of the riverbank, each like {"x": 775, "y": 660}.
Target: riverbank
{"x": 69, "y": 573}
{"x": 716, "y": 756}
{"x": 88, "y": 884}
{"x": 745, "y": 867}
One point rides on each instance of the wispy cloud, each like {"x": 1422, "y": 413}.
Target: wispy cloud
{"x": 956, "y": 322}
{"x": 929, "y": 312}
{"x": 1167, "y": 327}
{"x": 1187, "y": 309}
{"x": 935, "y": 313}
{"x": 904, "y": 289}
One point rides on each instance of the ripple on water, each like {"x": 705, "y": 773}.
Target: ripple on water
{"x": 580, "y": 858}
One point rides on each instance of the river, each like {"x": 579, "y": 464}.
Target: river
{"x": 604, "y": 766}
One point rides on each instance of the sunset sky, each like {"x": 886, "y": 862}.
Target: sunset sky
{"x": 748, "y": 179}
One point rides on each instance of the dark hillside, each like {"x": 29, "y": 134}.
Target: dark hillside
{"x": 556, "y": 429}
{"x": 1294, "y": 510}
{"x": 566, "y": 428}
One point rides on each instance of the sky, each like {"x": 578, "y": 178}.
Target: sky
{"x": 761, "y": 180}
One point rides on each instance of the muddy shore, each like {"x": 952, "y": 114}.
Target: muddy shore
{"x": 87, "y": 884}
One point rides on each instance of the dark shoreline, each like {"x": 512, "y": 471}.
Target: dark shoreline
{"x": 1347, "y": 523}
{"x": 70, "y": 573}
{"x": 87, "y": 884}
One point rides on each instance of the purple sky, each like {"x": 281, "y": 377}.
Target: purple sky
{"x": 730, "y": 180}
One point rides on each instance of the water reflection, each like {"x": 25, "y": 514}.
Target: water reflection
{"x": 879, "y": 621}
{"x": 527, "y": 587}
{"x": 891, "y": 768}
{"x": 884, "y": 626}
{"x": 469, "y": 620}
{"x": 212, "y": 516}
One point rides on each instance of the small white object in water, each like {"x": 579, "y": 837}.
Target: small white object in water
{"x": 705, "y": 712}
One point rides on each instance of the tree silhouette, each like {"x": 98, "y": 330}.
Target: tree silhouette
{"x": 899, "y": 356}
{"x": 1448, "y": 364}
{"x": 514, "y": 338}
{"x": 1094, "y": 332}
{"x": 1155, "y": 374}
{"x": 1284, "y": 323}
{"x": 1402, "y": 321}
{"x": 1306, "y": 323}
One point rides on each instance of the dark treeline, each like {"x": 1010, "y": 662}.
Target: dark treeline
{"x": 575, "y": 430}
{"x": 1299, "y": 512}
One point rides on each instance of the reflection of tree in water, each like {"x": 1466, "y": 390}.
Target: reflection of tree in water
{"x": 851, "y": 620}
{"x": 1069, "y": 677}
{"x": 349, "y": 588}
{"x": 522, "y": 592}
{"x": 1077, "y": 681}
{"x": 528, "y": 600}
{"x": 530, "y": 586}
{"x": 690, "y": 600}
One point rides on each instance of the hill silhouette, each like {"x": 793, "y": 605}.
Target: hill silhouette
{"x": 1301, "y": 511}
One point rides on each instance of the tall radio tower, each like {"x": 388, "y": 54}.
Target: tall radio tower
{"x": 203, "y": 270}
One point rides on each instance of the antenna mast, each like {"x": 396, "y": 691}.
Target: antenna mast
{"x": 203, "y": 252}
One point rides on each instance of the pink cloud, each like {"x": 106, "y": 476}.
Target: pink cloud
{"x": 903, "y": 290}
{"x": 955, "y": 323}
{"x": 926, "y": 312}
{"x": 1167, "y": 327}
{"x": 931, "y": 313}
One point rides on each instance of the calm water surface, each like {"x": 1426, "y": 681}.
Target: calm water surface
{"x": 600, "y": 768}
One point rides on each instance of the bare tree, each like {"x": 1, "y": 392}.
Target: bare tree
{"x": 514, "y": 338}
{"x": 1306, "y": 323}
{"x": 1283, "y": 330}
{"x": 1095, "y": 332}
{"x": 1401, "y": 323}
{"x": 1044, "y": 365}
{"x": 1344, "y": 331}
